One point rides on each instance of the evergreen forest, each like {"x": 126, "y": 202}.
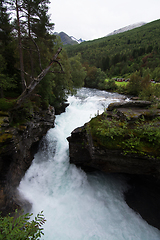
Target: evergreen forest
{"x": 31, "y": 56}
{"x": 123, "y": 53}
{"x": 28, "y": 49}
{"x": 37, "y": 70}
{"x": 135, "y": 52}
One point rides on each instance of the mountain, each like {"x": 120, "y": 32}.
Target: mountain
{"x": 78, "y": 41}
{"x": 127, "y": 28}
{"x": 67, "y": 40}
{"x": 124, "y": 53}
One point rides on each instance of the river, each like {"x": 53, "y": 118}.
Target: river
{"x": 76, "y": 205}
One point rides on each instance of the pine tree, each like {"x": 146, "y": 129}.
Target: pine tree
{"x": 7, "y": 69}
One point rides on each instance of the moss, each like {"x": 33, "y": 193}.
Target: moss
{"x": 4, "y": 114}
{"x": 141, "y": 137}
{"x": 5, "y": 136}
{"x": 22, "y": 115}
{"x": 6, "y": 104}
{"x": 1, "y": 120}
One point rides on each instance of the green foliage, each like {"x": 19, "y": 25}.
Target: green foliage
{"x": 39, "y": 45}
{"x": 95, "y": 77}
{"x": 100, "y": 78}
{"x": 6, "y": 105}
{"x": 156, "y": 90}
{"x": 156, "y": 74}
{"x": 134, "y": 85}
{"x": 111, "y": 85}
{"x": 147, "y": 91}
{"x": 90, "y": 80}
{"x": 122, "y": 53}
{"x": 8, "y": 72}
{"x": 142, "y": 137}
{"x": 106, "y": 131}
{"x": 6, "y": 82}
{"x": 59, "y": 84}
{"x": 21, "y": 227}
{"x": 78, "y": 72}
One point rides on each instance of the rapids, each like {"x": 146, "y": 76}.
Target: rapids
{"x": 76, "y": 205}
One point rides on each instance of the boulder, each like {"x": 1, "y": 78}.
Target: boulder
{"x": 87, "y": 154}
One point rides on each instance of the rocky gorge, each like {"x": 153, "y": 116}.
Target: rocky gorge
{"x": 18, "y": 144}
{"x": 141, "y": 169}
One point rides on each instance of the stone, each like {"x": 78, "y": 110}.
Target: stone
{"x": 85, "y": 153}
{"x": 17, "y": 148}
{"x": 129, "y": 104}
{"x": 142, "y": 172}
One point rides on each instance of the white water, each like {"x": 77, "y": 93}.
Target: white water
{"x": 79, "y": 206}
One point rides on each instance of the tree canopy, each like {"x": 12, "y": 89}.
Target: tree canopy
{"x": 35, "y": 54}
{"x": 124, "y": 53}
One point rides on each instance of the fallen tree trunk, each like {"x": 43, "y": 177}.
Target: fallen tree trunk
{"x": 35, "y": 81}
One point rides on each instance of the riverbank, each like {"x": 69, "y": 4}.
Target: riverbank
{"x": 124, "y": 139}
{"x": 18, "y": 144}
{"x": 79, "y": 205}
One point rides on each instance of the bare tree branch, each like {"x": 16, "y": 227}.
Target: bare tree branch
{"x": 35, "y": 81}
{"x": 59, "y": 65}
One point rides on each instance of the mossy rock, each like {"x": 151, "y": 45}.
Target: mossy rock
{"x": 141, "y": 137}
{"x": 5, "y": 136}
{"x": 3, "y": 113}
{"x": 1, "y": 120}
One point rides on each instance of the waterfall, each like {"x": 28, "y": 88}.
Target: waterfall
{"x": 76, "y": 205}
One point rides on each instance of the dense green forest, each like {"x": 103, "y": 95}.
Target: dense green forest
{"x": 135, "y": 52}
{"x": 124, "y": 53}
{"x": 30, "y": 53}
{"x": 28, "y": 47}
{"x": 33, "y": 58}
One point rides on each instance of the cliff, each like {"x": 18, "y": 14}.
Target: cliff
{"x": 124, "y": 139}
{"x": 112, "y": 148}
{"x": 18, "y": 144}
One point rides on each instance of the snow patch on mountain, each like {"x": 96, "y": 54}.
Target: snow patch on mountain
{"x": 78, "y": 41}
{"x": 127, "y": 28}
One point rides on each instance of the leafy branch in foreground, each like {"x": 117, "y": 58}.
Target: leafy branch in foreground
{"x": 20, "y": 227}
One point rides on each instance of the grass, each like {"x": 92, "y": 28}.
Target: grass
{"x": 142, "y": 137}
{"x": 121, "y": 83}
{"x": 117, "y": 83}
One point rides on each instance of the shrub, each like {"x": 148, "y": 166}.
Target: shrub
{"x": 20, "y": 228}
{"x": 111, "y": 85}
{"x": 5, "y": 104}
{"x": 134, "y": 85}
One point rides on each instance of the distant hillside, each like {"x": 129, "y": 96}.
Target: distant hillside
{"x": 127, "y": 28}
{"x": 122, "y": 53}
{"x": 68, "y": 40}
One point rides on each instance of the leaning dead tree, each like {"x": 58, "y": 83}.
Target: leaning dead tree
{"x": 36, "y": 80}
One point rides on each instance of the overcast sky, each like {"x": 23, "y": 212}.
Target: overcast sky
{"x": 92, "y": 19}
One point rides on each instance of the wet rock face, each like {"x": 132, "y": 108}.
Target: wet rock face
{"x": 18, "y": 146}
{"x": 86, "y": 154}
{"x": 143, "y": 197}
{"x": 143, "y": 173}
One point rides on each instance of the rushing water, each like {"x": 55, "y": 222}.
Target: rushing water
{"x": 76, "y": 205}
